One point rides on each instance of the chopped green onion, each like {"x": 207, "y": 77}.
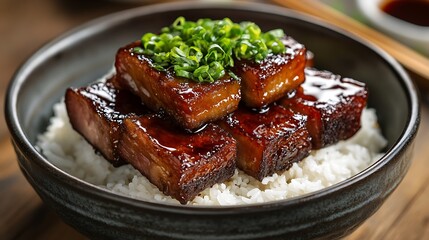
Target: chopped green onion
{"x": 202, "y": 50}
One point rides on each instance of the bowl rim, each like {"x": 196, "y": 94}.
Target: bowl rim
{"x": 100, "y": 24}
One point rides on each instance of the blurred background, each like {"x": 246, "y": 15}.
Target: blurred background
{"x": 26, "y": 25}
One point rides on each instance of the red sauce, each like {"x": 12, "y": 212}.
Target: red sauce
{"x": 413, "y": 11}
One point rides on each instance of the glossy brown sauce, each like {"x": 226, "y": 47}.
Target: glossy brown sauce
{"x": 186, "y": 146}
{"x": 326, "y": 88}
{"x": 114, "y": 104}
{"x": 332, "y": 104}
{"x": 266, "y": 124}
{"x": 412, "y": 11}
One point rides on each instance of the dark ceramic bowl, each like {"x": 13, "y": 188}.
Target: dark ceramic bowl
{"x": 86, "y": 53}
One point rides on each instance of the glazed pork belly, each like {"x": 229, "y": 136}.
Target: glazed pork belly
{"x": 332, "y": 104}
{"x": 97, "y": 111}
{"x": 191, "y": 104}
{"x": 268, "y": 81}
{"x": 269, "y": 141}
{"x": 179, "y": 163}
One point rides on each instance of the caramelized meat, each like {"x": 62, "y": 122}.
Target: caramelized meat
{"x": 179, "y": 163}
{"x": 268, "y": 141}
{"x": 332, "y": 104}
{"x": 268, "y": 81}
{"x": 97, "y": 111}
{"x": 191, "y": 104}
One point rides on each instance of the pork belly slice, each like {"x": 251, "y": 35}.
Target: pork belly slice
{"x": 276, "y": 75}
{"x": 269, "y": 141}
{"x": 96, "y": 112}
{"x": 180, "y": 163}
{"x": 190, "y": 103}
{"x": 332, "y": 104}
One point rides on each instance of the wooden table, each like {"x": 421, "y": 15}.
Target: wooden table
{"x": 27, "y": 24}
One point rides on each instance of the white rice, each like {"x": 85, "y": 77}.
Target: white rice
{"x": 67, "y": 150}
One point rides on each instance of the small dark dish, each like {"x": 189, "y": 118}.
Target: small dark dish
{"x": 86, "y": 53}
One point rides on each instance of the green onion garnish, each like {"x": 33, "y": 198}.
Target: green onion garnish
{"x": 204, "y": 50}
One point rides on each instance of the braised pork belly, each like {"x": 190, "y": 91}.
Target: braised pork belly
{"x": 323, "y": 110}
{"x": 269, "y": 140}
{"x": 262, "y": 112}
{"x": 97, "y": 111}
{"x": 178, "y": 162}
{"x": 268, "y": 81}
{"x": 190, "y": 103}
{"x": 332, "y": 104}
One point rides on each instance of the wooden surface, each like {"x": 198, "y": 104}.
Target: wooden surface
{"x": 25, "y": 25}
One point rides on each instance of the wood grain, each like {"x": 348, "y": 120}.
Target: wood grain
{"x": 26, "y": 26}
{"x": 19, "y": 203}
{"x": 397, "y": 219}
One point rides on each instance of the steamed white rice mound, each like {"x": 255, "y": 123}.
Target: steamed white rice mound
{"x": 67, "y": 150}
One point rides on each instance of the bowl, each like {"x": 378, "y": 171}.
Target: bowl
{"x": 86, "y": 53}
{"x": 414, "y": 35}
